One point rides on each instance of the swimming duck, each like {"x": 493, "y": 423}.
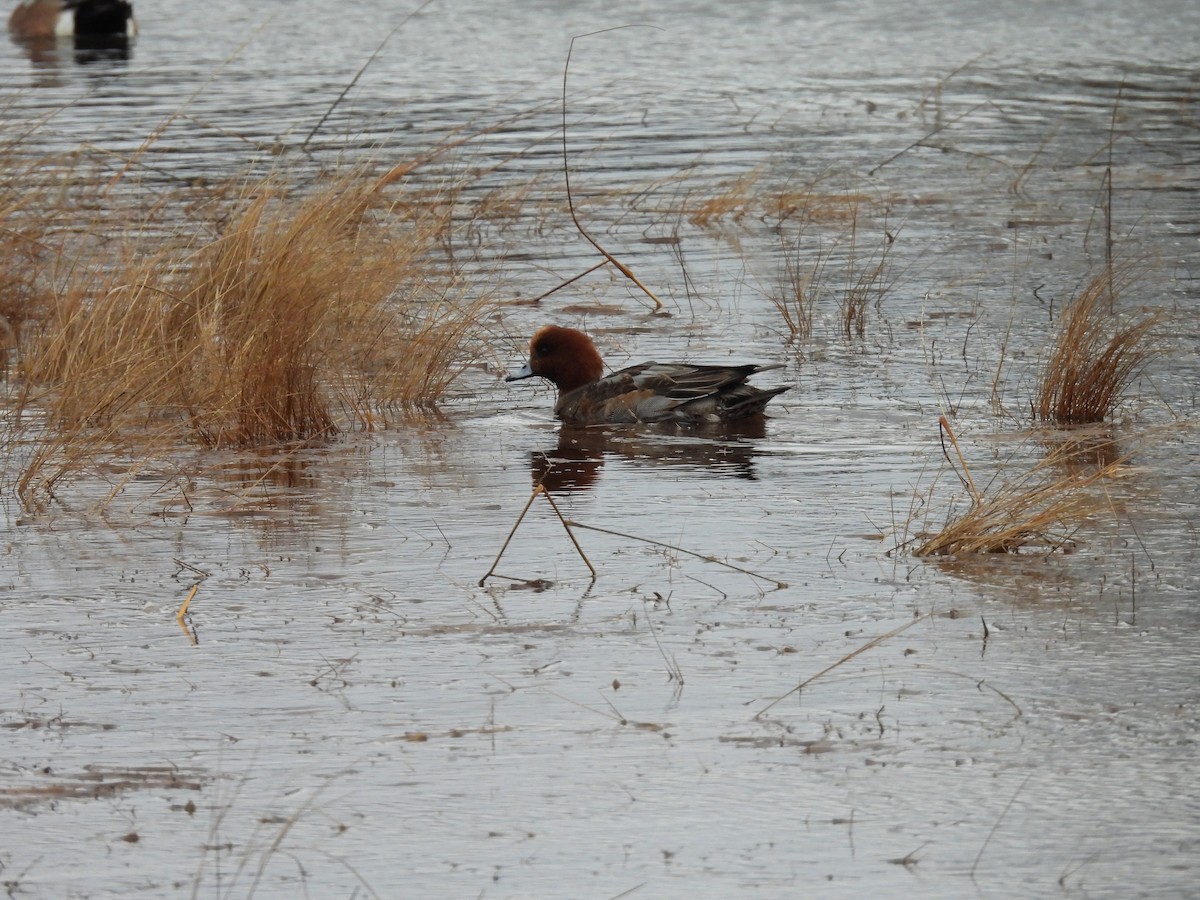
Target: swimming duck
{"x": 677, "y": 393}
{"x": 63, "y": 18}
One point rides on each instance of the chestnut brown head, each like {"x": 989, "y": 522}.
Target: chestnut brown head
{"x": 563, "y": 356}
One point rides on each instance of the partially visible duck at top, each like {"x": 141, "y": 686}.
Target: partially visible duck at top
{"x": 674, "y": 393}
{"x": 39, "y": 19}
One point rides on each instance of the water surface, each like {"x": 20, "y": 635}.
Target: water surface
{"x": 358, "y": 717}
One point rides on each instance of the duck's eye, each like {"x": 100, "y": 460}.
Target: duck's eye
{"x": 542, "y": 349}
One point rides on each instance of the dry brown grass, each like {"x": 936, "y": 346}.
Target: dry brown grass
{"x": 822, "y": 246}
{"x": 819, "y": 206}
{"x": 1041, "y": 508}
{"x": 748, "y": 197}
{"x": 867, "y": 281}
{"x": 807, "y": 275}
{"x": 30, "y": 212}
{"x": 308, "y": 314}
{"x": 733, "y": 200}
{"x": 1032, "y": 511}
{"x": 1095, "y": 357}
{"x": 795, "y": 299}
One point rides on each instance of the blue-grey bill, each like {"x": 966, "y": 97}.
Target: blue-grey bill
{"x": 524, "y": 372}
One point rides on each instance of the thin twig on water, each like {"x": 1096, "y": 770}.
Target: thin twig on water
{"x": 621, "y": 267}
{"x": 996, "y": 824}
{"x": 180, "y": 616}
{"x": 539, "y": 489}
{"x": 874, "y": 642}
{"x": 358, "y": 74}
{"x": 965, "y": 475}
{"x": 712, "y": 559}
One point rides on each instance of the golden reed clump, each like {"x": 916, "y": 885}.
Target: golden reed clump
{"x": 1095, "y": 356}
{"x": 306, "y": 314}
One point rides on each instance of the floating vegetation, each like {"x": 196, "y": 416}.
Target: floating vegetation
{"x": 1040, "y": 508}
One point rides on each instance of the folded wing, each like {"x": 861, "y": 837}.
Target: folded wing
{"x": 669, "y": 392}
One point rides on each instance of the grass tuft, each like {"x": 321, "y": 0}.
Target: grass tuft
{"x": 1095, "y": 356}
{"x": 306, "y": 315}
{"x": 1041, "y": 508}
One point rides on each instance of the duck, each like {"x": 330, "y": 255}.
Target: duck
{"x": 39, "y": 19}
{"x": 650, "y": 392}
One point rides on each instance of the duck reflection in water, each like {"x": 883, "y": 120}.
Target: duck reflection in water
{"x": 575, "y": 464}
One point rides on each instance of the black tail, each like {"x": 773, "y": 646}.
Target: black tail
{"x": 745, "y": 400}
{"x": 101, "y": 16}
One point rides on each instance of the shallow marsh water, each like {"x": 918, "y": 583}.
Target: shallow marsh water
{"x": 359, "y": 717}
